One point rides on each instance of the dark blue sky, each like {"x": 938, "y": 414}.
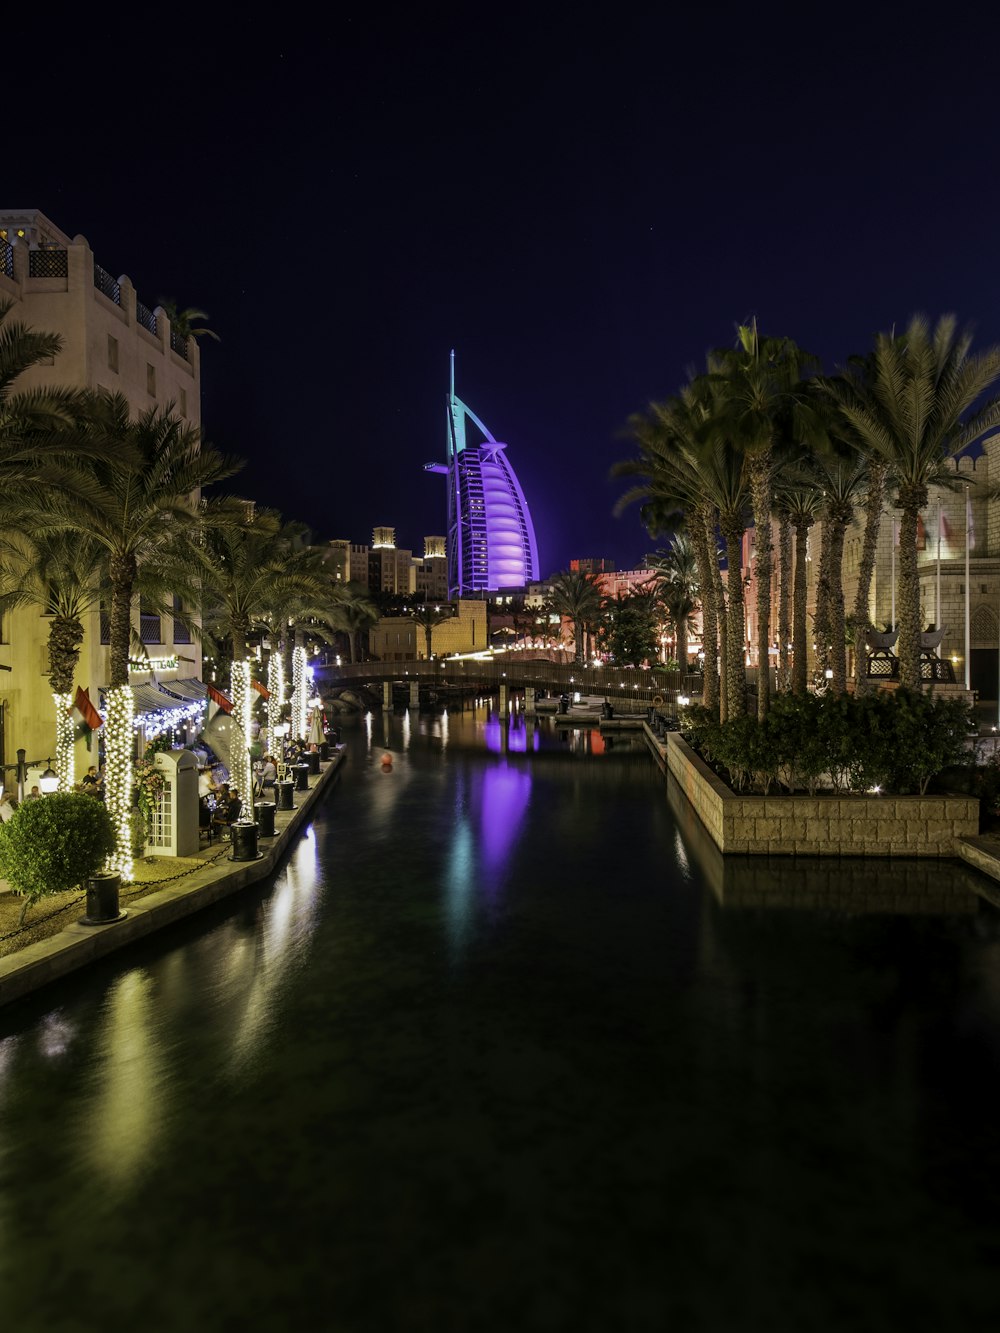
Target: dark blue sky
{"x": 581, "y": 207}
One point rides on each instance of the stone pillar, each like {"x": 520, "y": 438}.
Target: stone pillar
{"x": 503, "y": 700}
{"x": 387, "y": 694}
{"x": 529, "y": 701}
{"x": 414, "y": 693}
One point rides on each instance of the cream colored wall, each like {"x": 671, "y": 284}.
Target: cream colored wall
{"x": 400, "y": 638}
{"x": 84, "y": 317}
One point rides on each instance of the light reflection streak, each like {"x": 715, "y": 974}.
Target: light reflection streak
{"x": 128, "y": 1110}
{"x": 55, "y": 1035}
{"x": 406, "y": 730}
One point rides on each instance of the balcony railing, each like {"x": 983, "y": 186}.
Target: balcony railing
{"x": 6, "y": 259}
{"x": 179, "y": 343}
{"x": 48, "y": 264}
{"x": 145, "y": 316}
{"x": 105, "y": 283}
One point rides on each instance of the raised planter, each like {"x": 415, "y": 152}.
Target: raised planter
{"x": 828, "y": 824}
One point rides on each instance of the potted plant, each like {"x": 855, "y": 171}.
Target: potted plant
{"x": 55, "y": 844}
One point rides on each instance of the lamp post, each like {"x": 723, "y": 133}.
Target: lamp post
{"x": 49, "y": 781}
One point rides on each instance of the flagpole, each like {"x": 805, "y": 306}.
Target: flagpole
{"x": 968, "y": 591}
{"x": 892, "y": 578}
{"x": 937, "y": 603}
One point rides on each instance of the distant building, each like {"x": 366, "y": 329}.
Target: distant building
{"x": 431, "y": 573}
{"x": 491, "y": 539}
{"x": 401, "y": 639}
{"x": 390, "y": 569}
{"x": 592, "y": 565}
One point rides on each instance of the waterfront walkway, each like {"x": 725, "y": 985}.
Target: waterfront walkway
{"x": 46, "y": 960}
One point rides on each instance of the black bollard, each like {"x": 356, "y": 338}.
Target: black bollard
{"x": 245, "y": 842}
{"x": 284, "y": 790}
{"x": 312, "y": 759}
{"x": 301, "y": 776}
{"x": 102, "y": 900}
{"x": 264, "y": 810}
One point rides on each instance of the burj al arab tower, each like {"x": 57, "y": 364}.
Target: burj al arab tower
{"x": 491, "y": 541}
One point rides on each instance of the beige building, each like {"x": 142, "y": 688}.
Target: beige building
{"x": 431, "y": 573}
{"x": 112, "y": 340}
{"x": 401, "y": 639}
{"x": 947, "y": 597}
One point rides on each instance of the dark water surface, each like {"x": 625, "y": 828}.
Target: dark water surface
{"x": 507, "y": 1047}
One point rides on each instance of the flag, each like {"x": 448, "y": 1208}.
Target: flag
{"x": 219, "y": 698}
{"x": 262, "y": 690}
{"x": 84, "y": 711}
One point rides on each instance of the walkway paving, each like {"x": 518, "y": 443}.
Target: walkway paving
{"x": 37, "y": 964}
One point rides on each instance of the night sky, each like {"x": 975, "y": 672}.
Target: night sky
{"x": 581, "y": 207}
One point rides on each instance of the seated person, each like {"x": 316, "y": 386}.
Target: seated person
{"x": 268, "y": 775}
{"x": 93, "y": 782}
{"x": 227, "y": 809}
{"x": 205, "y": 816}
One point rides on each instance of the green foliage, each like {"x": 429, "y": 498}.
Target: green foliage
{"x": 628, "y": 631}
{"x": 897, "y": 742}
{"x": 54, "y": 843}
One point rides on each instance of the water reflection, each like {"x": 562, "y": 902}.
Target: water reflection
{"x": 849, "y": 884}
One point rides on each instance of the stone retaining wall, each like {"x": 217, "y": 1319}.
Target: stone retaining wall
{"x": 829, "y": 824}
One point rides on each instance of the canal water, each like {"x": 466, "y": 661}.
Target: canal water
{"x": 505, "y": 1046}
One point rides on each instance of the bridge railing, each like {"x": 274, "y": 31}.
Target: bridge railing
{"x": 620, "y": 683}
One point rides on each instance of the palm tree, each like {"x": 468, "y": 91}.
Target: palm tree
{"x": 427, "y": 617}
{"x": 57, "y": 571}
{"x": 136, "y": 498}
{"x": 911, "y": 415}
{"x": 761, "y": 395}
{"x": 841, "y": 478}
{"x": 352, "y": 613}
{"x": 577, "y": 596}
{"x": 678, "y": 588}
{"x": 182, "y": 322}
{"x": 802, "y": 502}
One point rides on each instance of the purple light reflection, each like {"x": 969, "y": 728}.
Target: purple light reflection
{"x": 504, "y": 795}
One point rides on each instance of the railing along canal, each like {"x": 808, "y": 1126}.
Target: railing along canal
{"x": 653, "y": 686}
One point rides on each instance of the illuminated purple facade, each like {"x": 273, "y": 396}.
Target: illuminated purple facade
{"x": 491, "y": 540}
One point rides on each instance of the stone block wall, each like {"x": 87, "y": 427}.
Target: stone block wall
{"x": 828, "y": 824}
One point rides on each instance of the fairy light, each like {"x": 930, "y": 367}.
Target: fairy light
{"x": 300, "y": 691}
{"x": 239, "y": 760}
{"x": 65, "y": 767}
{"x": 167, "y": 719}
{"x": 276, "y": 687}
{"x": 118, "y": 748}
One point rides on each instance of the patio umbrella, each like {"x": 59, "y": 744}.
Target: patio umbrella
{"x": 316, "y": 736}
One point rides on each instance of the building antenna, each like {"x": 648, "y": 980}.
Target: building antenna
{"x": 453, "y": 372}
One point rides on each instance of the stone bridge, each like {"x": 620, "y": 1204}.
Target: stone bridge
{"x": 437, "y": 680}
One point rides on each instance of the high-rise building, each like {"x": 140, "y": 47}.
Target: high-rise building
{"x": 491, "y": 540}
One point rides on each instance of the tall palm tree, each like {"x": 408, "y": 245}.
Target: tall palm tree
{"x": 353, "y": 613}
{"x": 761, "y": 395}
{"x": 58, "y": 572}
{"x": 915, "y": 412}
{"x": 428, "y": 618}
{"x": 677, "y": 568}
{"x": 137, "y": 499}
{"x": 577, "y": 596}
{"x": 803, "y": 503}
{"x": 841, "y": 477}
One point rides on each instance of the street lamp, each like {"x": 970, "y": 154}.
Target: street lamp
{"x": 49, "y": 781}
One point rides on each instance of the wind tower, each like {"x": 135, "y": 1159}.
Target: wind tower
{"x": 491, "y": 539}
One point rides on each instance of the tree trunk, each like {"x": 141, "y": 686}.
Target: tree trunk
{"x": 65, "y": 638}
{"x": 835, "y": 602}
{"x": 800, "y": 642}
{"x": 704, "y": 546}
{"x": 682, "y": 643}
{"x": 821, "y": 627}
{"x": 732, "y": 533}
{"x": 122, "y": 572}
{"x": 760, "y": 495}
{"x": 869, "y": 549}
{"x": 785, "y": 604}
{"x": 912, "y": 499}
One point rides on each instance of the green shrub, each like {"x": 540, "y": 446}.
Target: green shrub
{"x": 53, "y": 844}
{"x": 896, "y": 741}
